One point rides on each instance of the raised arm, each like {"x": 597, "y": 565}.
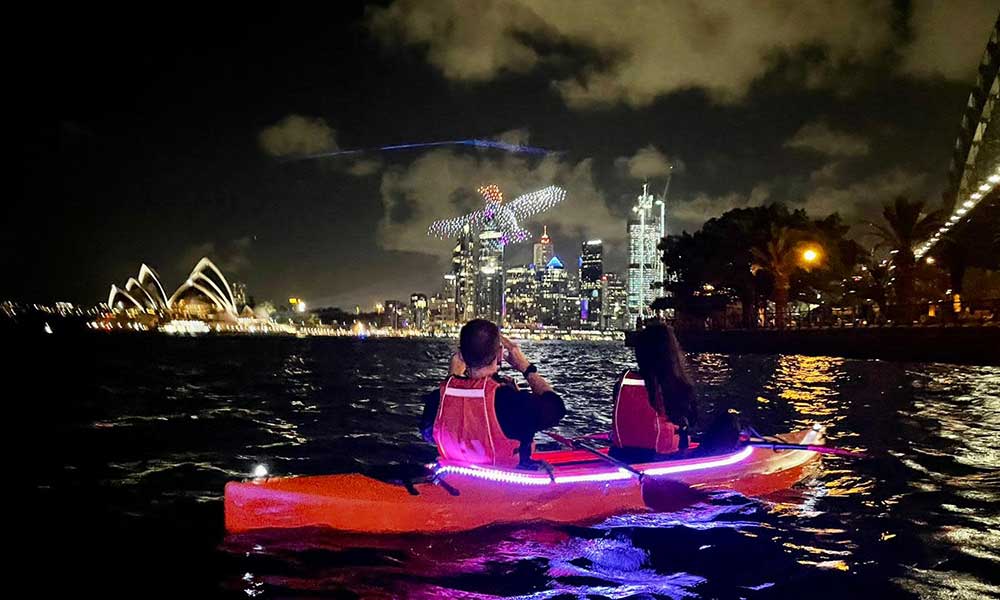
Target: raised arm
{"x": 519, "y": 361}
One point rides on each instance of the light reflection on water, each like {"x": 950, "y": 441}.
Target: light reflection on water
{"x": 161, "y": 438}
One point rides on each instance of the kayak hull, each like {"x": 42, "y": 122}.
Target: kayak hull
{"x": 581, "y": 488}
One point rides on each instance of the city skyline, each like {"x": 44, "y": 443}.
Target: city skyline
{"x": 167, "y": 155}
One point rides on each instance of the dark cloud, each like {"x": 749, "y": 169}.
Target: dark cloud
{"x": 231, "y": 256}
{"x": 364, "y": 167}
{"x": 297, "y": 135}
{"x": 948, "y": 37}
{"x": 651, "y": 49}
{"x": 818, "y": 137}
{"x": 861, "y": 200}
{"x": 648, "y": 163}
{"x": 689, "y": 214}
{"x": 648, "y": 49}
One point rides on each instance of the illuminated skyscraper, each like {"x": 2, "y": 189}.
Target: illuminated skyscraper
{"x": 645, "y": 229}
{"x": 441, "y": 311}
{"x": 569, "y": 315}
{"x": 614, "y": 302}
{"x": 418, "y": 308}
{"x": 591, "y": 271}
{"x": 463, "y": 270}
{"x": 446, "y": 306}
{"x": 395, "y": 313}
{"x": 521, "y": 309}
{"x": 489, "y": 277}
{"x": 544, "y": 251}
{"x": 553, "y": 285}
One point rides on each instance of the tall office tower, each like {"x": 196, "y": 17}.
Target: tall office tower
{"x": 521, "y": 310}
{"x": 395, "y": 313}
{"x": 441, "y": 311}
{"x": 435, "y": 310}
{"x": 615, "y": 302}
{"x": 464, "y": 267}
{"x": 544, "y": 250}
{"x": 553, "y": 285}
{"x": 418, "y": 309}
{"x": 446, "y": 307}
{"x": 570, "y": 310}
{"x": 591, "y": 271}
{"x": 644, "y": 264}
{"x": 489, "y": 277}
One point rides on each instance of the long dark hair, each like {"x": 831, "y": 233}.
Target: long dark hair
{"x": 661, "y": 362}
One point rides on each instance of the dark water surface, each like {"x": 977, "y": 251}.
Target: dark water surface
{"x": 125, "y": 443}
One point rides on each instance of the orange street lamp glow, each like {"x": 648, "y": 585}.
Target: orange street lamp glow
{"x": 810, "y": 255}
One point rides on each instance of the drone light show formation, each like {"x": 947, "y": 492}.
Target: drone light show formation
{"x": 504, "y": 218}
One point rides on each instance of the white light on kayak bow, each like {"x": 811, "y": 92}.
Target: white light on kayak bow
{"x": 260, "y": 471}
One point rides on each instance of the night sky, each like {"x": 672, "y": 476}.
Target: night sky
{"x": 162, "y": 137}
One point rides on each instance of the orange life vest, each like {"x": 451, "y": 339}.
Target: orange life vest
{"x": 466, "y": 427}
{"x": 636, "y": 424}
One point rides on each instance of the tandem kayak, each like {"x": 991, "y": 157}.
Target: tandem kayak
{"x": 579, "y": 488}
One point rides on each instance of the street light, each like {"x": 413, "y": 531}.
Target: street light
{"x": 810, "y": 255}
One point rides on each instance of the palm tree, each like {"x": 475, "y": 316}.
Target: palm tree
{"x": 779, "y": 257}
{"x": 906, "y": 226}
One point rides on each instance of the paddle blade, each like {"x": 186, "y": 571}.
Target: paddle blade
{"x": 667, "y": 495}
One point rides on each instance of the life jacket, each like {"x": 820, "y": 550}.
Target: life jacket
{"x": 466, "y": 427}
{"x": 635, "y": 424}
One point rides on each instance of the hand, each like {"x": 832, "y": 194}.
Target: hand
{"x": 457, "y": 366}
{"x": 515, "y": 357}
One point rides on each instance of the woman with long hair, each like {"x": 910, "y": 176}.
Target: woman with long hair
{"x": 655, "y": 405}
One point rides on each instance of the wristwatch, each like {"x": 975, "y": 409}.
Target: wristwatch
{"x": 531, "y": 368}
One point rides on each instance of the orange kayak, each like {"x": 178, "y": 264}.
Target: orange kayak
{"x": 580, "y": 488}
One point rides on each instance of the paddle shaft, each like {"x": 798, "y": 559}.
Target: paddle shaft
{"x": 576, "y": 443}
{"x": 587, "y": 447}
{"x": 808, "y": 448}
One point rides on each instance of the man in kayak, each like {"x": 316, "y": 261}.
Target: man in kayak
{"x": 478, "y": 416}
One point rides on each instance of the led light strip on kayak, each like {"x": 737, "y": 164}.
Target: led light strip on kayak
{"x": 504, "y": 476}
{"x": 725, "y": 461}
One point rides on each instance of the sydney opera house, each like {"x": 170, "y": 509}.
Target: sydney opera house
{"x": 206, "y": 294}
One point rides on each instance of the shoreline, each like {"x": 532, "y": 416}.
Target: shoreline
{"x": 976, "y": 345}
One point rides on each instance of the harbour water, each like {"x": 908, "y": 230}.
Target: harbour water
{"x": 125, "y": 443}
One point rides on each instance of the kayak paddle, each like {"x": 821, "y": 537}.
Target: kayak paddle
{"x": 658, "y": 494}
{"x": 807, "y": 448}
{"x": 576, "y": 443}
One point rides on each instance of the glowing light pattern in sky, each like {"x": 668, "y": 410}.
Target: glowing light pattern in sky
{"x": 504, "y": 218}
{"x": 494, "y": 144}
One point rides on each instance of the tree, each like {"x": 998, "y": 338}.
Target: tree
{"x": 779, "y": 255}
{"x": 721, "y": 254}
{"x": 906, "y": 225}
